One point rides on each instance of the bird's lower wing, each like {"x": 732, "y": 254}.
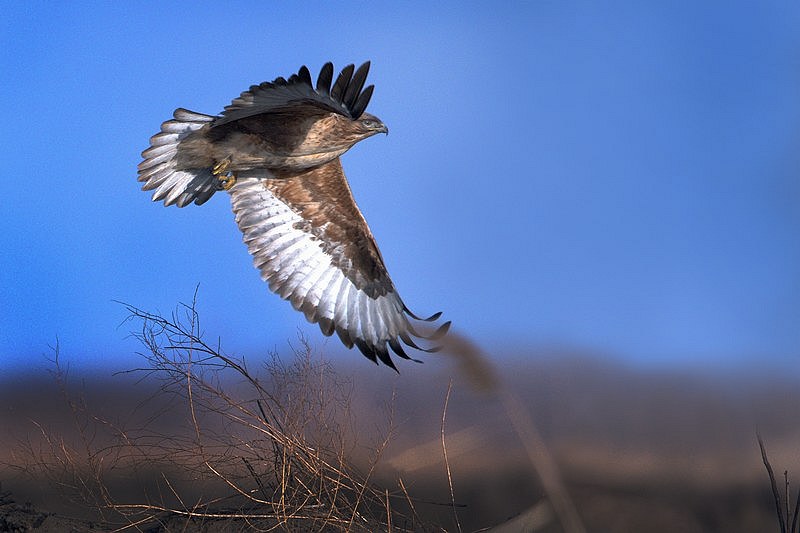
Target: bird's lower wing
{"x": 313, "y": 247}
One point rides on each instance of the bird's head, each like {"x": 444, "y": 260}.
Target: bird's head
{"x": 368, "y": 125}
{"x": 340, "y": 130}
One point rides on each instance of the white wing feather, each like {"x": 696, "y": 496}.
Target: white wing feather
{"x": 297, "y": 268}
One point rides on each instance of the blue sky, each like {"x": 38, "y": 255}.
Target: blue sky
{"x": 620, "y": 177}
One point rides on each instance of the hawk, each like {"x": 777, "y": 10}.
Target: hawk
{"x": 275, "y": 150}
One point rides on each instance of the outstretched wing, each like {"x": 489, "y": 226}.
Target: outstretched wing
{"x": 314, "y": 248}
{"x": 345, "y": 96}
{"x": 180, "y": 179}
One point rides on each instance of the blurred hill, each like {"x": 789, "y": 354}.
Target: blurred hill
{"x": 639, "y": 450}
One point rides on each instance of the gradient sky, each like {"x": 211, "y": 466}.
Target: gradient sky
{"x": 622, "y": 177}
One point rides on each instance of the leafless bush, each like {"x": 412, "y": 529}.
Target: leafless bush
{"x": 781, "y": 503}
{"x": 73, "y": 465}
{"x": 266, "y": 449}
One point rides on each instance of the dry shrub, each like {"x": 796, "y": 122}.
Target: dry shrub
{"x": 233, "y": 448}
{"x": 781, "y": 502}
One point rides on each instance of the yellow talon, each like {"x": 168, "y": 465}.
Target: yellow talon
{"x": 222, "y": 166}
{"x": 228, "y": 182}
{"x": 226, "y": 178}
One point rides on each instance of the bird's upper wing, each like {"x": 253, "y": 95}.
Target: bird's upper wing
{"x": 345, "y": 96}
{"x": 314, "y": 248}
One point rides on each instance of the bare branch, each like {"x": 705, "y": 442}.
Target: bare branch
{"x": 446, "y": 462}
{"x": 274, "y": 442}
{"x": 774, "y": 485}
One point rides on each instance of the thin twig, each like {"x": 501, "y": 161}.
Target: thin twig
{"x": 388, "y": 514}
{"x": 446, "y": 462}
{"x": 255, "y": 477}
{"x": 786, "y": 493}
{"x": 543, "y": 463}
{"x": 775, "y": 494}
{"x": 408, "y": 498}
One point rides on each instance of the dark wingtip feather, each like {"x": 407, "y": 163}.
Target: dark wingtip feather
{"x": 346, "y": 90}
{"x": 344, "y": 337}
{"x": 326, "y": 326}
{"x": 398, "y": 349}
{"x": 305, "y": 76}
{"x": 364, "y": 348}
{"x": 410, "y": 342}
{"x": 325, "y": 78}
{"x": 441, "y": 332}
{"x": 438, "y": 334}
{"x": 355, "y": 86}
{"x": 431, "y": 318}
{"x": 383, "y": 355}
{"x": 363, "y": 101}
{"x": 342, "y": 82}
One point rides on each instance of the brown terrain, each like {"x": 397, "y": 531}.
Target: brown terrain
{"x": 636, "y": 450}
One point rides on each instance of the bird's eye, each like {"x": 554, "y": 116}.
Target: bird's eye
{"x": 368, "y": 123}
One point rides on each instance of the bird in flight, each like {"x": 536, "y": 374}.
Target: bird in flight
{"x": 275, "y": 150}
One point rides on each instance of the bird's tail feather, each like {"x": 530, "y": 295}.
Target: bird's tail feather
{"x": 159, "y": 169}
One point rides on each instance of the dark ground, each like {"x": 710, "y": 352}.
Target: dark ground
{"x": 638, "y": 451}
